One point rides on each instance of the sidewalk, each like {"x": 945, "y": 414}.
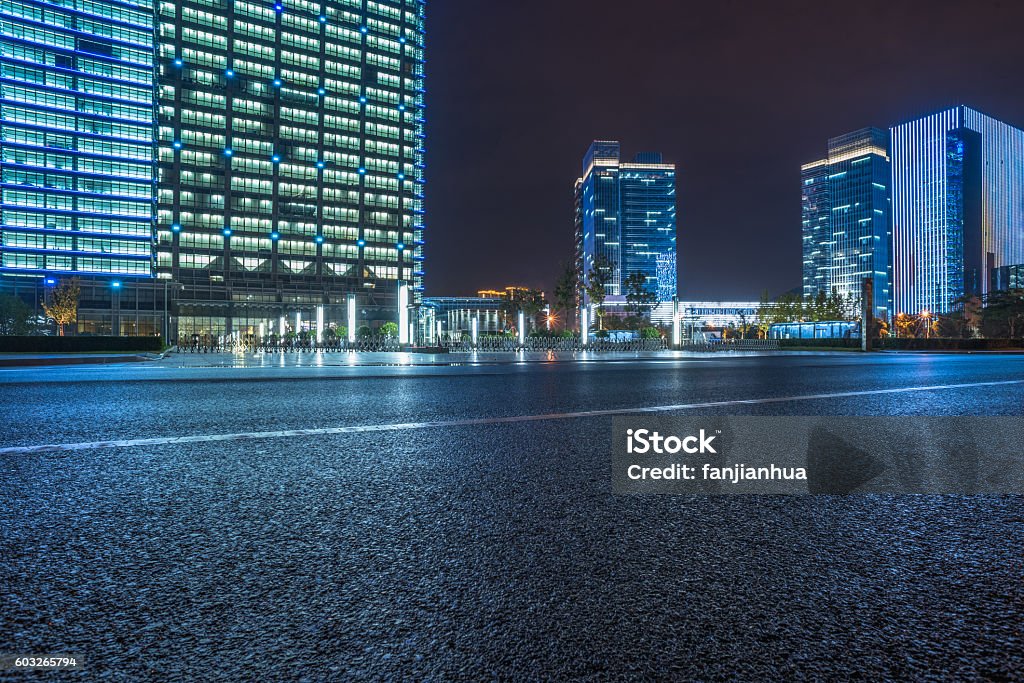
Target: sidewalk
{"x": 12, "y": 360}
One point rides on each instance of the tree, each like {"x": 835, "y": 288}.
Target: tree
{"x": 567, "y": 290}
{"x": 1004, "y": 314}
{"x": 904, "y": 325}
{"x": 389, "y": 329}
{"x": 14, "y": 315}
{"x": 765, "y": 315}
{"x": 63, "y": 304}
{"x": 529, "y": 301}
{"x": 597, "y": 279}
{"x": 638, "y": 297}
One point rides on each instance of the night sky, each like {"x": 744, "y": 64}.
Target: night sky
{"x": 737, "y": 94}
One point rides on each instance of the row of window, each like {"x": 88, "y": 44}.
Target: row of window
{"x": 81, "y": 264}
{"x": 24, "y": 240}
{"x": 26, "y": 220}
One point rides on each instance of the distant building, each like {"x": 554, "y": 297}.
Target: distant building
{"x": 626, "y": 214}
{"x": 958, "y": 207}
{"x": 453, "y": 316}
{"x": 1008, "y": 277}
{"x": 846, "y": 215}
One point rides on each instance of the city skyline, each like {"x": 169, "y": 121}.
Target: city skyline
{"x": 736, "y": 125}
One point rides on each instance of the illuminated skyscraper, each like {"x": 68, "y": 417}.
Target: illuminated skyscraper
{"x": 626, "y": 214}
{"x": 958, "y": 207}
{"x": 291, "y": 160}
{"x": 846, "y": 219}
{"x": 77, "y": 157}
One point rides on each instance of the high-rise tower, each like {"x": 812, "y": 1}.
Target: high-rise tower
{"x": 291, "y": 160}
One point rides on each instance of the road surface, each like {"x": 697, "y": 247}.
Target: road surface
{"x": 446, "y": 520}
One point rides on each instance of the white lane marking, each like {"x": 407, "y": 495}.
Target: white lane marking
{"x": 362, "y": 429}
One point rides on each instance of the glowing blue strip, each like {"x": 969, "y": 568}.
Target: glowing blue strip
{"x": 97, "y": 273}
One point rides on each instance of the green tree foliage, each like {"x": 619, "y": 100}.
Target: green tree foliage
{"x": 529, "y": 301}
{"x": 14, "y": 315}
{"x": 567, "y": 290}
{"x": 639, "y": 298}
{"x": 1004, "y": 314}
{"x": 389, "y": 329}
{"x": 791, "y": 307}
{"x": 598, "y": 278}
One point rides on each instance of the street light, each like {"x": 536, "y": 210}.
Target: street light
{"x": 677, "y": 332}
{"x": 351, "y": 318}
{"x": 403, "y": 313}
{"x": 584, "y": 326}
{"x": 926, "y": 315}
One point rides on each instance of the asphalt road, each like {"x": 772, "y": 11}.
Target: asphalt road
{"x": 485, "y": 550}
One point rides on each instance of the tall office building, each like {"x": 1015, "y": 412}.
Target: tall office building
{"x": 77, "y": 158}
{"x": 291, "y": 161}
{"x": 847, "y": 229}
{"x": 958, "y": 207}
{"x": 626, "y": 214}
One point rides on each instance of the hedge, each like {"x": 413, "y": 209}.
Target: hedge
{"x": 80, "y": 344}
{"x": 908, "y": 344}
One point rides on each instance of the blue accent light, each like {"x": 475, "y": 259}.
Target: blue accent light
{"x": 401, "y": 107}
{"x": 362, "y": 100}
{"x": 323, "y": 19}
{"x": 116, "y": 284}
{"x": 401, "y": 176}
{"x": 176, "y": 227}
{"x": 277, "y": 82}
{"x": 320, "y": 164}
{"x": 178, "y": 61}
{"x": 50, "y": 282}
{"x": 361, "y": 243}
{"x": 227, "y": 232}
{"x": 321, "y": 91}
{"x": 401, "y": 246}
{"x": 364, "y": 29}
{"x": 362, "y": 171}
{"x": 402, "y": 40}
{"x": 276, "y": 158}
{"x": 176, "y": 144}
{"x": 230, "y": 73}
{"x": 275, "y": 235}
{"x": 278, "y": 7}
{"x": 319, "y": 239}
{"x": 228, "y": 152}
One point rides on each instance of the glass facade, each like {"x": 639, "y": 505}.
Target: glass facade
{"x": 626, "y": 214}
{"x": 77, "y": 139}
{"x": 290, "y": 158}
{"x": 958, "y": 207}
{"x": 847, "y": 228}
